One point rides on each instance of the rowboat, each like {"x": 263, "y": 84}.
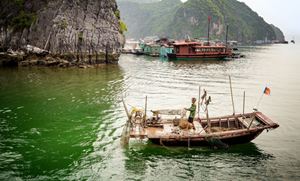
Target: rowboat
{"x": 170, "y": 127}
{"x": 231, "y": 129}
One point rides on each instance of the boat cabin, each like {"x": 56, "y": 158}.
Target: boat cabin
{"x": 151, "y": 49}
{"x": 165, "y": 49}
{"x": 199, "y": 50}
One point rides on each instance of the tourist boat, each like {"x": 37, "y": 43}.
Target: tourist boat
{"x": 170, "y": 127}
{"x": 196, "y": 50}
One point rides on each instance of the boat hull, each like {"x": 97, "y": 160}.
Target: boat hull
{"x": 223, "y": 130}
{"x": 172, "y": 56}
{"x": 206, "y": 141}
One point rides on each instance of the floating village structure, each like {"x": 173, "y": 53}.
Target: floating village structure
{"x": 182, "y": 49}
{"x": 196, "y": 50}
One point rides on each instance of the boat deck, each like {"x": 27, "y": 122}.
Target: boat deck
{"x": 168, "y": 129}
{"x": 232, "y": 129}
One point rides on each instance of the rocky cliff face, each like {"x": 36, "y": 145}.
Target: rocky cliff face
{"x": 77, "y": 30}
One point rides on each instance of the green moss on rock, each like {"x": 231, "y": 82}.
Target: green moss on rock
{"x": 23, "y": 20}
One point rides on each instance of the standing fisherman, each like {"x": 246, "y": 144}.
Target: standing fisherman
{"x": 192, "y": 110}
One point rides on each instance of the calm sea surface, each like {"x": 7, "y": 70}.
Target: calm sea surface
{"x": 65, "y": 124}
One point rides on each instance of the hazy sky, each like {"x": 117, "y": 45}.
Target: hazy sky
{"x": 284, "y": 14}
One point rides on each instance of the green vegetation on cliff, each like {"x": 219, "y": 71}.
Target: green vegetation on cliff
{"x": 23, "y": 20}
{"x": 175, "y": 19}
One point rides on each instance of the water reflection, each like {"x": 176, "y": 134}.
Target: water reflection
{"x": 147, "y": 160}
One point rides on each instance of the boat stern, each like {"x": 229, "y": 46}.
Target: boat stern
{"x": 266, "y": 120}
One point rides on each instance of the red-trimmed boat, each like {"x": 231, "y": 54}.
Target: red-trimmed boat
{"x": 196, "y": 50}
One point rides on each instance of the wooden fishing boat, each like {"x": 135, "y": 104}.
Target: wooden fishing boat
{"x": 232, "y": 129}
{"x": 171, "y": 128}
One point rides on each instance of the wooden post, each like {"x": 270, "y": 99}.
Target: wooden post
{"x": 244, "y": 102}
{"x": 145, "y": 115}
{"x": 208, "y": 121}
{"x": 126, "y": 110}
{"x": 125, "y": 133}
{"x": 226, "y": 37}
{"x": 199, "y": 97}
{"x": 231, "y": 95}
{"x": 207, "y": 116}
{"x": 228, "y": 124}
{"x": 208, "y": 29}
{"x": 251, "y": 123}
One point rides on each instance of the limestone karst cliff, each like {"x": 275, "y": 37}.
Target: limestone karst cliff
{"x": 76, "y": 30}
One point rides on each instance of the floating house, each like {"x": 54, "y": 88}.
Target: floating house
{"x": 151, "y": 49}
{"x": 165, "y": 50}
{"x": 132, "y": 47}
{"x": 196, "y": 50}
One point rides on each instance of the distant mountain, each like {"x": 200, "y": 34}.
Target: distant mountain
{"x": 139, "y": 1}
{"x": 172, "y": 18}
{"x": 278, "y": 33}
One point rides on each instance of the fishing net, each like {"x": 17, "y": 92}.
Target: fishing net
{"x": 215, "y": 142}
{"x": 180, "y": 112}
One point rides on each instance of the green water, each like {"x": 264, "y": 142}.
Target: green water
{"x": 65, "y": 124}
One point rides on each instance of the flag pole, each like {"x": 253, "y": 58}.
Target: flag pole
{"x": 267, "y": 92}
{"x": 258, "y": 102}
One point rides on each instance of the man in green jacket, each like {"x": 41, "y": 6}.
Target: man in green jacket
{"x": 192, "y": 110}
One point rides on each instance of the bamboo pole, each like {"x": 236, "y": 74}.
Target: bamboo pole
{"x": 231, "y": 95}
{"x": 126, "y": 110}
{"x": 208, "y": 29}
{"x": 244, "y": 102}
{"x": 226, "y": 37}
{"x": 125, "y": 132}
{"x": 208, "y": 121}
{"x": 251, "y": 122}
{"x": 199, "y": 97}
{"x": 145, "y": 115}
{"x": 207, "y": 116}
